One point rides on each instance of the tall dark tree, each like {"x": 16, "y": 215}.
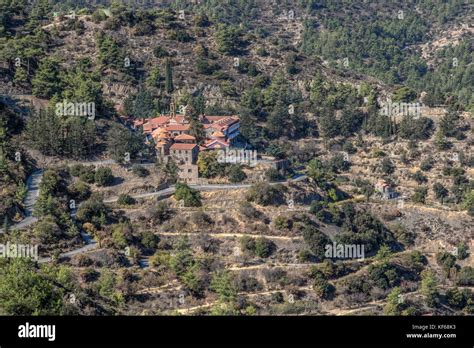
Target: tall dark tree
{"x": 448, "y": 123}
{"x": 142, "y": 105}
{"x": 328, "y": 125}
{"x": 55, "y": 135}
{"x": 122, "y": 144}
{"x": 169, "y": 77}
{"x": 44, "y": 132}
{"x": 46, "y": 82}
{"x": 277, "y": 120}
{"x": 228, "y": 39}
{"x": 110, "y": 53}
{"x": 196, "y": 129}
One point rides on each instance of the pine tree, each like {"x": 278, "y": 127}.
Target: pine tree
{"x": 277, "y": 120}
{"x": 110, "y": 53}
{"x": 21, "y": 77}
{"x": 448, "y": 123}
{"x": 318, "y": 91}
{"x": 82, "y": 85}
{"x": 144, "y": 105}
{"x": 80, "y": 141}
{"x": 393, "y": 306}
{"x": 228, "y": 39}
{"x": 171, "y": 170}
{"x": 199, "y": 104}
{"x": 327, "y": 125}
{"x": 46, "y": 82}
{"x": 440, "y": 141}
{"x": 429, "y": 287}
{"x": 44, "y": 132}
{"x": 153, "y": 80}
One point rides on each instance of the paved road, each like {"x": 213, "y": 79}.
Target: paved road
{"x": 88, "y": 247}
{"x": 32, "y": 195}
{"x": 210, "y": 187}
{"x": 165, "y": 192}
{"x": 91, "y": 244}
{"x": 32, "y": 184}
{"x": 34, "y": 181}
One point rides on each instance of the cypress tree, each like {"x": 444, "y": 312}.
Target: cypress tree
{"x": 169, "y": 77}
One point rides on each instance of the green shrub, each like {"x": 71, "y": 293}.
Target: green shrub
{"x": 190, "y": 196}
{"x": 465, "y": 276}
{"x": 160, "y": 213}
{"x": 273, "y": 174}
{"x": 93, "y": 210}
{"x": 282, "y": 223}
{"x": 265, "y": 194}
{"x": 420, "y": 195}
{"x": 149, "y": 240}
{"x": 456, "y": 298}
{"x": 321, "y": 286}
{"x": 247, "y": 244}
{"x": 264, "y": 247}
{"x": 160, "y": 52}
{"x": 206, "y": 68}
{"x": 445, "y": 260}
{"x": 419, "y": 177}
{"x": 122, "y": 235}
{"x": 87, "y": 174}
{"x": 426, "y": 165}
{"x": 47, "y": 230}
{"x": 262, "y": 52}
{"x": 463, "y": 251}
{"x": 125, "y": 199}
{"x": 249, "y": 211}
{"x": 79, "y": 190}
{"x": 140, "y": 171}
{"x": 236, "y": 174}
{"x": 316, "y": 240}
{"x": 201, "y": 219}
{"x": 103, "y": 176}
{"x": 76, "y": 169}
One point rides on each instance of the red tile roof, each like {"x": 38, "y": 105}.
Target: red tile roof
{"x": 184, "y": 137}
{"x": 161, "y": 120}
{"x": 218, "y": 127}
{"x": 153, "y": 123}
{"x": 178, "y": 146}
{"x": 227, "y": 121}
{"x": 218, "y": 134}
{"x": 160, "y": 133}
{"x": 147, "y": 128}
{"x": 213, "y": 118}
{"x": 224, "y": 123}
{"x": 178, "y": 118}
{"x": 216, "y": 143}
{"x": 177, "y": 127}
